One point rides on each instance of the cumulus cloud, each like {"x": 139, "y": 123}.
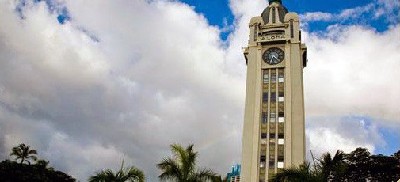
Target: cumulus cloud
{"x": 386, "y": 9}
{"x": 123, "y": 80}
{"x": 352, "y": 73}
{"x": 328, "y": 134}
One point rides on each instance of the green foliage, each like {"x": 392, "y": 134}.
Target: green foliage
{"x": 23, "y": 153}
{"x": 182, "y": 167}
{"x": 131, "y": 174}
{"x": 297, "y": 174}
{"x": 14, "y": 171}
{"x": 11, "y": 171}
{"x": 358, "y": 165}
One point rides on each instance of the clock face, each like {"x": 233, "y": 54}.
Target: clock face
{"x": 273, "y": 55}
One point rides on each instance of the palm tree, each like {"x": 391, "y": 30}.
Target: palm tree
{"x": 131, "y": 174}
{"x": 325, "y": 168}
{"x": 332, "y": 168}
{"x": 182, "y": 166}
{"x": 297, "y": 174}
{"x": 23, "y": 153}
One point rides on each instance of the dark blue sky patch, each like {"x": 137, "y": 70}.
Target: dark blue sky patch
{"x": 328, "y": 6}
{"x": 217, "y": 13}
{"x": 63, "y": 16}
{"x": 335, "y": 7}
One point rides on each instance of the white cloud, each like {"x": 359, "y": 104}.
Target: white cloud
{"x": 387, "y": 9}
{"x": 328, "y": 134}
{"x": 152, "y": 79}
{"x": 159, "y": 74}
{"x": 351, "y": 73}
{"x": 317, "y": 16}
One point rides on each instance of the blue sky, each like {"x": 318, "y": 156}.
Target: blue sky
{"x": 217, "y": 12}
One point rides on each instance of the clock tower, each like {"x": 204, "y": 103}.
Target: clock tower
{"x": 273, "y": 130}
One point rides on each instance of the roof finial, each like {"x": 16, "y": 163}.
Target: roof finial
{"x": 278, "y": 1}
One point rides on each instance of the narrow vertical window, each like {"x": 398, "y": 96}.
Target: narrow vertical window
{"x": 255, "y": 32}
{"x": 273, "y": 96}
{"x": 263, "y": 158}
{"x": 263, "y": 135}
{"x": 281, "y": 97}
{"x": 273, "y": 117}
{"x": 280, "y": 165}
{"x": 265, "y": 97}
{"x": 266, "y": 77}
{"x": 272, "y": 135}
{"x": 273, "y": 15}
{"x": 264, "y": 118}
{"x": 291, "y": 29}
{"x": 273, "y": 77}
{"x": 271, "y": 163}
{"x": 281, "y": 78}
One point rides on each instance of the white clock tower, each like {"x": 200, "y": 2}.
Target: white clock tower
{"x": 273, "y": 133}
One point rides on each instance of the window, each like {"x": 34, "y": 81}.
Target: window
{"x": 272, "y": 135}
{"x": 273, "y": 115}
{"x": 273, "y": 77}
{"x": 273, "y": 96}
{"x": 281, "y": 79}
{"x": 263, "y": 135}
{"x": 273, "y": 120}
{"x": 264, "y": 118}
{"x": 281, "y": 158}
{"x": 281, "y": 97}
{"x": 262, "y": 164}
{"x": 281, "y": 114}
{"x": 266, "y": 78}
{"x": 263, "y": 158}
{"x": 271, "y": 164}
{"x": 281, "y": 135}
{"x": 265, "y": 96}
{"x": 280, "y": 165}
{"x": 281, "y": 119}
{"x": 281, "y": 141}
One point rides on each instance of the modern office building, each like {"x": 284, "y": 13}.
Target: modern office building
{"x": 273, "y": 133}
{"x": 234, "y": 175}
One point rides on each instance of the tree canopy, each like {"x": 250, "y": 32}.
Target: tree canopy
{"x": 131, "y": 174}
{"x": 23, "y": 153}
{"x": 182, "y": 167}
{"x": 358, "y": 165}
{"x": 22, "y": 169}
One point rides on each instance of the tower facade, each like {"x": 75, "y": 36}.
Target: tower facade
{"x": 273, "y": 130}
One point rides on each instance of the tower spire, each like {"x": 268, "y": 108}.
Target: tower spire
{"x": 278, "y": 1}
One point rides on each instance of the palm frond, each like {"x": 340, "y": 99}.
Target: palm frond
{"x": 170, "y": 169}
{"x": 205, "y": 174}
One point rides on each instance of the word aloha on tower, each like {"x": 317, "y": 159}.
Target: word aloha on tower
{"x": 273, "y": 133}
